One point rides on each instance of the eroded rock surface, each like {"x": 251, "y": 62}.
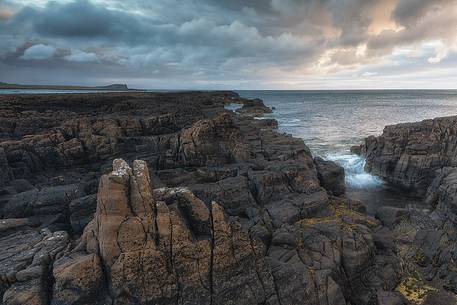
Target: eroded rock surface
{"x": 408, "y": 154}
{"x": 166, "y": 246}
{"x": 421, "y": 158}
{"x": 221, "y": 209}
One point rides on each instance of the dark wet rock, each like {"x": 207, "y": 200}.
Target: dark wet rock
{"x": 391, "y": 216}
{"x": 408, "y": 155}
{"x": 390, "y": 298}
{"x": 254, "y": 107}
{"x": 331, "y": 176}
{"x": 442, "y": 192}
{"x": 420, "y": 157}
{"x": 6, "y": 173}
{"x": 266, "y": 123}
{"x": 24, "y": 264}
{"x": 356, "y": 149}
{"x": 81, "y": 212}
{"x": 47, "y": 201}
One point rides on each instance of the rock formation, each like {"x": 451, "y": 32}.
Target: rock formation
{"x": 221, "y": 209}
{"x": 166, "y": 246}
{"x": 421, "y": 158}
{"x": 331, "y": 176}
{"x": 408, "y": 154}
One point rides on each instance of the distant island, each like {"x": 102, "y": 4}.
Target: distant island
{"x": 112, "y": 87}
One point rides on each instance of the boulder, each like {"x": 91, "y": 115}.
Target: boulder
{"x": 331, "y": 176}
{"x": 391, "y": 216}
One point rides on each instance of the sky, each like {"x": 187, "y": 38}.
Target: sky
{"x": 231, "y": 44}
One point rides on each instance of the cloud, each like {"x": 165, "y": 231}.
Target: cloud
{"x": 231, "y": 42}
{"x": 5, "y": 14}
{"x": 408, "y": 12}
{"x": 39, "y": 52}
{"x": 79, "y": 56}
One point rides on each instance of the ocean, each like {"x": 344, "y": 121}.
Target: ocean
{"x": 330, "y": 122}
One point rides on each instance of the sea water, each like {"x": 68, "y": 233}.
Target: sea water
{"x": 330, "y": 122}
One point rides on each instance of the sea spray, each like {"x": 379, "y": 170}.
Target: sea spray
{"x": 356, "y": 177}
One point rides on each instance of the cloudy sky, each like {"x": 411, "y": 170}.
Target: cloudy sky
{"x": 231, "y": 44}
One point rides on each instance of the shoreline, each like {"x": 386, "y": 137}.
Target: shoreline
{"x": 241, "y": 199}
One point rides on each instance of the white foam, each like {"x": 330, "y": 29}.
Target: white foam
{"x": 356, "y": 176}
{"x": 233, "y": 106}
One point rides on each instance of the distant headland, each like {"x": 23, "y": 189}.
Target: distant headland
{"x": 112, "y": 87}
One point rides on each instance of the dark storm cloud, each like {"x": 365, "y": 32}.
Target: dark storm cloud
{"x": 77, "y": 20}
{"x": 213, "y": 40}
{"x": 410, "y": 11}
{"x": 143, "y": 40}
{"x": 81, "y": 19}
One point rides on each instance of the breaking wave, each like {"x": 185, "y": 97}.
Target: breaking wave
{"x": 356, "y": 176}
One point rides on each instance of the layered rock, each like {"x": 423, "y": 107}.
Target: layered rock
{"x": 26, "y": 255}
{"x": 229, "y": 211}
{"x": 254, "y": 107}
{"x": 167, "y": 249}
{"x": 408, "y": 154}
{"x": 211, "y": 142}
{"x": 166, "y": 246}
{"x": 421, "y": 157}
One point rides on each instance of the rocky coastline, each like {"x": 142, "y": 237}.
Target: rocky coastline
{"x": 169, "y": 198}
{"x": 421, "y": 158}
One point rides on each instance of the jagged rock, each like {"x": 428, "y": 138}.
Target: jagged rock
{"x": 331, "y": 176}
{"x": 13, "y": 223}
{"x": 238, "y": 214}
{"x": 24, "y": 264}
{"x": 254, "y": 107}
{"x": 391, "y": 216}
{"x": 212, "y": 142}
{"x": 356, "y": 150}
{"x": 390, "y": 298}
{"x": 168, "y": 246}
{"x": 266, "y": 123}
{"x": 79, "y": 279}
{"x": 6, "y": 173}
{"x": 407, "y": 155}
{"x": 81, "y": 212}
{"x": 420, "y": 157}
{"x": 293, "y": 208}
{"x": 151, "y": 251}
{"x": 232, "y": 193}
{"x": 47, "y": 201}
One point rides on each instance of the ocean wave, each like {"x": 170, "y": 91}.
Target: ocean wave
{"x": 233, "y": 106}
{"x": 356, "y": 176}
